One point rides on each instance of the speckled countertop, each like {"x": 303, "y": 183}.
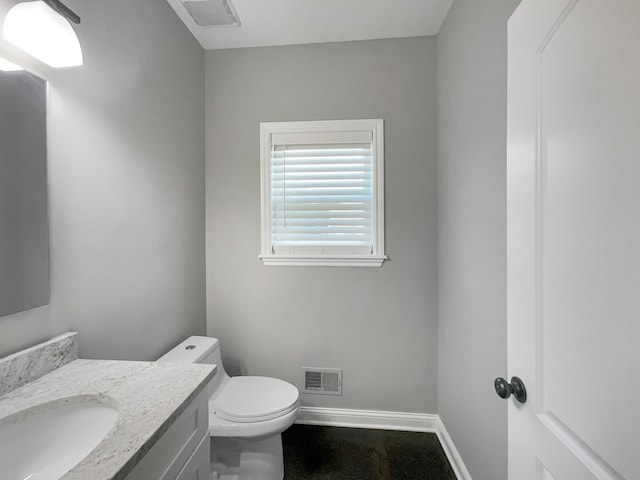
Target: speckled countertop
{"x": 149, "y": 396}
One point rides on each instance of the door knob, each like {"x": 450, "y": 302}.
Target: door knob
{"x": 505, "y": 389}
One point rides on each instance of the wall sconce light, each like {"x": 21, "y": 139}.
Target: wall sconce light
{"x": 42, "y": 29}
{"x": 7, "y": 66}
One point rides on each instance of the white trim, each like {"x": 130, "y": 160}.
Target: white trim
{"x": 382, "y": 420}
{"x": 335, "y": 260}
{"x": 450, "y": 450}
{"x": 339, "y": 417}
{"x": 374, "y": 129}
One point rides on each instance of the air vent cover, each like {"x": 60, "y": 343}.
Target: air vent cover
{"x": 323, "y": 381}
{"x": 212, "y": 13}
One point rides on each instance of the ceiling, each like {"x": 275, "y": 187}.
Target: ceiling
{"x": 289, "y": 22}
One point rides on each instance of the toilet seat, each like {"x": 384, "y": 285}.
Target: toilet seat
{"x": 254, "y": 399}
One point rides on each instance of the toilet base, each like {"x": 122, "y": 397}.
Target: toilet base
{"x": 247, "y": 458}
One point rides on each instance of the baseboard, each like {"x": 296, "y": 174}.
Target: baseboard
{"x": 450, "y": 450}
{"x": 409, "y": 422}
{"x": 339, "y": 417}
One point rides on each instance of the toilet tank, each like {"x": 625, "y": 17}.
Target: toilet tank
{"x": 199, "y": 350}
{"x": 194, "y": 350}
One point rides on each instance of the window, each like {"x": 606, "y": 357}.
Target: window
{"x": 322, "y": 193}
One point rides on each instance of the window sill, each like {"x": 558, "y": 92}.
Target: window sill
{"x": 305, "y": 260}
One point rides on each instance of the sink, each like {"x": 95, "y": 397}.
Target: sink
{"x": 46, "y": 441}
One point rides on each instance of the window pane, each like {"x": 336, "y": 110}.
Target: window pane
{"x": 322, "y": 195}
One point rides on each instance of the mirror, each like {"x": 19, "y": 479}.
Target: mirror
{"x": 24, "y": 223}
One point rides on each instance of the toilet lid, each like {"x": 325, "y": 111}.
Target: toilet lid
{"x": 255, "y": 399}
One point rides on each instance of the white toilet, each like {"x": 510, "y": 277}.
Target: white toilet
{"x": 246, "y": 416}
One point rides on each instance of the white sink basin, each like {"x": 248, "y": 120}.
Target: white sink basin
{"x": 46, "y": 441}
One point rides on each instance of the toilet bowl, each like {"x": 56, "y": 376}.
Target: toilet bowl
{"x": 246, "y": 415}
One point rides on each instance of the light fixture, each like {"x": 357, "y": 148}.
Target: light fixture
{"x": 41, "y": 28}
{"x": 7, "y": 66}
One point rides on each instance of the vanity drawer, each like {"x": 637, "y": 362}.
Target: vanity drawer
{"x": 199, "y": 465}
{"x": 171, "y": 452}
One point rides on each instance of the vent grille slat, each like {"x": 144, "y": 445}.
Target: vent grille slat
{"x": 331, "y": 382}
{"x": 313, "y": 380}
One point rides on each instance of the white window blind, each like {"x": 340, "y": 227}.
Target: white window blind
{"x": 322, "y": 198}
{"x": 322, "y": 193}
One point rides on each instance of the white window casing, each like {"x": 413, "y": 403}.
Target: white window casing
{"x": 322, "y": 193}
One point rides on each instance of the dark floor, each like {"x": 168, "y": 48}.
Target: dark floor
{"x": 333, "y": 453}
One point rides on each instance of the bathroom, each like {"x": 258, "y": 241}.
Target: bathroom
{"x": 153, "y": 159}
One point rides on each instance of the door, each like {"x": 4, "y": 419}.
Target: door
{"x": 574, "y": 239}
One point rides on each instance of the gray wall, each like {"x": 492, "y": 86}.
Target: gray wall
{"x": 126, "y": 187}
{"x": 472, "y": 62}
{"x": 379, "y": 325}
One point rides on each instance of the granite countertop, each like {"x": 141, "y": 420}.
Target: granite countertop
{"x": 149, "y": 396}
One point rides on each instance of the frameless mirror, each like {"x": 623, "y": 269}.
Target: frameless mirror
{"x": 24, "y": 224}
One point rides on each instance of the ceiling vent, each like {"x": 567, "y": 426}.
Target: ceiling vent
{"x": 212, "y": 13}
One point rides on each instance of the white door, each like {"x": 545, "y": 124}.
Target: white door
{"x": 574, "y": 239}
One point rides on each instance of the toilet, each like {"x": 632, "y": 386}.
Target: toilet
{"x": 246, "y": 415}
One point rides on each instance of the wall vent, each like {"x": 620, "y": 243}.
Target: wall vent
{"x": 212, "y": 13}
{"x": 323, "y": 381}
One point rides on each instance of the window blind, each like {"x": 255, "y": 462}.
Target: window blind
{"x": 322, "y": 197}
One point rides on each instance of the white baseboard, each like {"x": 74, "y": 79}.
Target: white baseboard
{"x": 339, "y": 417}
{"x": 409, "y": 422}
{"x": 450, "y": 450}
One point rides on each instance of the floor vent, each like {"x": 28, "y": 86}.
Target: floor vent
{"x": 323, "y": 381}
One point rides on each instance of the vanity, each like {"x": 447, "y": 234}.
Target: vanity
{"x": 148, "y": 420}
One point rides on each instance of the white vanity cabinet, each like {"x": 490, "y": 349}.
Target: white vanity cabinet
{"x": 182, "y": 453}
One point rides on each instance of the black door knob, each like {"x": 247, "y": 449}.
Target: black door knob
{"x": 516, "y": 388}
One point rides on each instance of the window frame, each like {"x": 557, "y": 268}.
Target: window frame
{"x": 327, "y": 258}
